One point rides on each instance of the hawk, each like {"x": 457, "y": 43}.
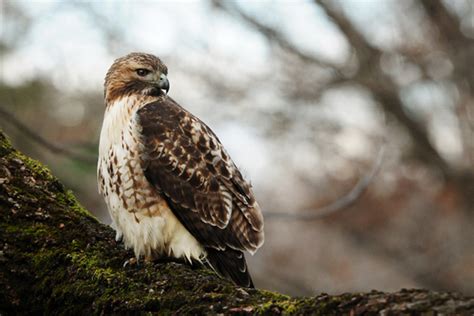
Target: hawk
{"x": 170, "y": 186}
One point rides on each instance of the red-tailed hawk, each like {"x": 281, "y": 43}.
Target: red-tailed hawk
{"x": 170, "y": 186}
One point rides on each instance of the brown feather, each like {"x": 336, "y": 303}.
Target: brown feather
{"x": 186, "y": 162}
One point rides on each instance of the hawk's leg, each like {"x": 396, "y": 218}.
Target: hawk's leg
{"x": 131, "y": 262}
{"x": 135, "y": 262}
{"x": 194, "y": 264}
{"x": 150, "y": 259}
{"x": 169, "y": 259}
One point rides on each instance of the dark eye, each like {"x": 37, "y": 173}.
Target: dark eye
{"x": 142, "y": 72}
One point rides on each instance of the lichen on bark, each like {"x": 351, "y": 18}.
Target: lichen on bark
{"x": 56, "y": 258}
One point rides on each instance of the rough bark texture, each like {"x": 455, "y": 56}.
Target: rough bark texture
{"x": 55, "y": 258}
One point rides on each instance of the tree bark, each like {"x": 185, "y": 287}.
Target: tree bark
{"x": 56, "y": 258}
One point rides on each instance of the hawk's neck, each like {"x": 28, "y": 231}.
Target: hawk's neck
{"x": 120, "y": 116}
{"x": 129, "y": 103}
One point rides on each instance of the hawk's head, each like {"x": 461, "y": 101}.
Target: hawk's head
{"x": 136, "y": 73}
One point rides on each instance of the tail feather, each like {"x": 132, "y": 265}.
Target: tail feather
{"x": 230, "y": 264}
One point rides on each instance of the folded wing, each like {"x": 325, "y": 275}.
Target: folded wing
{"x": 188, "y": 165}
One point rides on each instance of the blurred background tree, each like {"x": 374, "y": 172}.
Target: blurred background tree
{"x": 303, "y": 94}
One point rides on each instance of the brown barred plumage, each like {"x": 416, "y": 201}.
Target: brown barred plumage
{"x": 170, "y": 186}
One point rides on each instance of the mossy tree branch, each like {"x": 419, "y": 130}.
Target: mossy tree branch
{"x": 55, "y": 258}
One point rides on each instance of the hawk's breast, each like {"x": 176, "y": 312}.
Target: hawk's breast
{"x": 139, "y": 213}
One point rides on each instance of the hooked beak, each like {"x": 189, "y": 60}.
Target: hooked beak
{"x": 164, "y": 84}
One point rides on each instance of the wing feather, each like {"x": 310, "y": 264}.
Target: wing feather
{"x": 187, "y": 163}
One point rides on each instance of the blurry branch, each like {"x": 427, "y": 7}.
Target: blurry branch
{"x": 447, "y": 24}
{"x": 465, "y": 111}
{"x": 459, "y": 47}
{"x": 461, "y": 53}
{"x": 9, "y": 118}
{"x": 273, "y": 35}
{"x": 18, "y": 24}
{"x": 364, "y": 51}
{"x": 112, "y": 32}
{"x": 450, "y": 33}
{"x": 383, "y": 88}
{"x": 339, "y": 204}
{"x": 369, "y": 75}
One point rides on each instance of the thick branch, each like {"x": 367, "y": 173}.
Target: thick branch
{"x": 369, "y": 75}
{"x": 55, "y": 258}
{"x": 446, "y": 23}
{"x": 341, "y": 203}
{"x": 383, "y": 88}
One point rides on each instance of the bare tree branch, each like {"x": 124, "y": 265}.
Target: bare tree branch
{"x": 382, "y": 87}
{"x": 9, "y": 118}
{"x": 274, "y": 36}
{"x": 341, "y": 203}
{"x": 369, "y": 75}
{"x": 444, "y": 21}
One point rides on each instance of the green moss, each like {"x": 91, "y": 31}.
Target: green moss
{"x": 5, "y": 144}
{"x": 70, "y": 201}
{"x": 65, "y": 197}
{"x": 45, "y": 257}
{"x": 289, "y": 307}
{"x": 285, "y": 307}
{"x": 35, "y": 231}
{"x": 55, "y": 260}
{"x": 94, "y": 266}
{"x": 274, "y": 296}
{"x": 35, "y": 166}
